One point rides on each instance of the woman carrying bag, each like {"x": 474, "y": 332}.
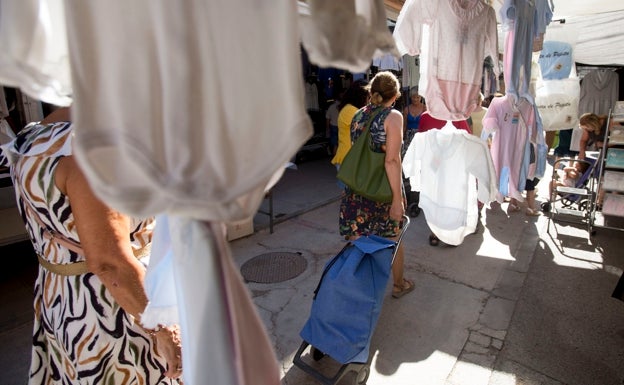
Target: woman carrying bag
{"x": 363, "y": 216}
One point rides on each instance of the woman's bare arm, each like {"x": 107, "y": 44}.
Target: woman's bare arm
{"x": 394, "y": 139}
{"x": 583, "y": 144}
{"x": 104, "y": 237}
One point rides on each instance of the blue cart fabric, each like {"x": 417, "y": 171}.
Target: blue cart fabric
{"x": 349, "y": 298}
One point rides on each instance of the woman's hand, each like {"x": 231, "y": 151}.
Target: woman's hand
{"x": 169, "y": 346}
{"x": 397, "y": 210}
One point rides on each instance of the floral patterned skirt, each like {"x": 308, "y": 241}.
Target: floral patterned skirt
{"x": 362, "y": 216}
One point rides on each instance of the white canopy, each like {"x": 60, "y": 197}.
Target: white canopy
{"x": 597, "y": 25}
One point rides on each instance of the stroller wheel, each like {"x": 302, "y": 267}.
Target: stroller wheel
{"x": 582, "y": 206}
{"x": 362, "y": 375}
{"x": 413, "y": 210}
{"x": 317, "y": 354}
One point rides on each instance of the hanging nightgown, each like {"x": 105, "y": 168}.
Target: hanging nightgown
{"x": 509, "y": 124}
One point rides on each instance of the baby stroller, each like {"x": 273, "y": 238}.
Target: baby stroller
{"x": 576, "y": 201}
{"x": 569, "y": 196}
{"x": 346, "y": 307}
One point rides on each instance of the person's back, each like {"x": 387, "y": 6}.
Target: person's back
{"x": 344, "y": 132}
{"x": 354, "y": 98}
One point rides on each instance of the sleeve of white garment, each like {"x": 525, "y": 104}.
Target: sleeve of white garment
{"x": 412, "y": 161}
{"x": 409, "y": 26}
{"x": 346, "y": 34}
{"x": 481, "y": 166}
{"x": 35, "y": 56}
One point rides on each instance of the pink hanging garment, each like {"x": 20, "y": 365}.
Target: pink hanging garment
{"x": 461, "y": 34}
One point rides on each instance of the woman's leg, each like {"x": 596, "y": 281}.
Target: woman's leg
{"x": 401, "y": 285}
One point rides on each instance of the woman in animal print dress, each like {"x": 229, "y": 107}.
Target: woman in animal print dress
{"x": 89, "y": 290}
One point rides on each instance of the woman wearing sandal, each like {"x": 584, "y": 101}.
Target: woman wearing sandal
{"x": 359, "y": 215}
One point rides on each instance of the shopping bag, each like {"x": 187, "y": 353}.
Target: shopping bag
{"x": 364, "y": 171}
{"x": 348, "y": 299}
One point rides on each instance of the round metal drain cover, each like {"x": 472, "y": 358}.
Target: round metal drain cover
{"x": 273, "y": 267}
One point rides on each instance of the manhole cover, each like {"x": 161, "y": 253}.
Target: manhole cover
{"x": 273, "y": 267}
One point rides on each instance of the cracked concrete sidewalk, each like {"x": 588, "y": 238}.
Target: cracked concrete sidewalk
{"x": 465, "y": 322}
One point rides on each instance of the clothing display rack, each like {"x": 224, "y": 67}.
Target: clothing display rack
{"x": 609, "y": 210}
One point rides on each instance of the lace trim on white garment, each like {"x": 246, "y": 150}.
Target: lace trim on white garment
{"x": 467, "y": 10}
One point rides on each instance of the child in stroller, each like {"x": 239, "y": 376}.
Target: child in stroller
{"x": 572, "y": 173}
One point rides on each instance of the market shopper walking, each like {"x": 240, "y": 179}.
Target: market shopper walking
{"x": 359, "y": 215}
{"x": 88, "y": 294}
{"x": 354, "y": 98}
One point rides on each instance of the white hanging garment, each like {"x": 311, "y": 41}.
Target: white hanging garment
{"x": 224, "y": 341}
{"x": 346, "y": 34}
{"x": 447, "y": 164}
{"x": 172, "y": 116}
{"x": 461, "y": 35}
{"x": 34, "y": 49}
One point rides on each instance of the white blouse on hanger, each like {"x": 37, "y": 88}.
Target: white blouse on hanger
{"x": 445, "y": 165}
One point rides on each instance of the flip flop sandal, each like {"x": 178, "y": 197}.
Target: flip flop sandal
{"x": 406, "y": 288}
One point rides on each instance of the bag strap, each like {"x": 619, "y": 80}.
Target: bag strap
{"x": 370, "y": 120}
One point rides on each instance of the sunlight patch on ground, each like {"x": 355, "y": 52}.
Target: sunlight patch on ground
{"x": 432, "y": 370}
{"x": 476, "y": 373}
{"x": 591, "y": 260}
{"x": 492, "y": 247}
{"x": 586, "y": 255}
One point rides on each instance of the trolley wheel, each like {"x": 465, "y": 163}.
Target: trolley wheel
{"x": 362, "y": 375}
{"x": 317, "y": 354}
{"x": 413, "y": 210}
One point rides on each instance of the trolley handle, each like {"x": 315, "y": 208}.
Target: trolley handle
{"x": 406, "y": 222}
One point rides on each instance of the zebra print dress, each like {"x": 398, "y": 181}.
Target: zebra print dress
{"x": 80, "y": 335}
